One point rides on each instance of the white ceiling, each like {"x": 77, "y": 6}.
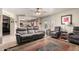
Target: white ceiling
{"x": 30, "y": 12}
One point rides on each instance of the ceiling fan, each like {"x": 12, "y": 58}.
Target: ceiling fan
{"x": 39, "y": 11}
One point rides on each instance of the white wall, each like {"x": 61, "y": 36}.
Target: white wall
{"x": 56, "y": 19}
{"x": 0, "y": 26}
{"x": 9, "y": 40}
{"x": 12, "y": 21}
{"x": 46, "y": 20}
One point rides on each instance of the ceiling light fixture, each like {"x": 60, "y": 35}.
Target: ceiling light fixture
{"x": 38, "y": 11}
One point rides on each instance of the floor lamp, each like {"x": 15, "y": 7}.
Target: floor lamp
{"x": 45, "y": 29}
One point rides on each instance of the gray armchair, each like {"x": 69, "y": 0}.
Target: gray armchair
{"x": 56, "y": 33}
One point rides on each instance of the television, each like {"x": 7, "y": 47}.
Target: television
{"x": 6, "y": 25}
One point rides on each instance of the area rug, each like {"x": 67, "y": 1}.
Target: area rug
{"x": 51, "y": 47}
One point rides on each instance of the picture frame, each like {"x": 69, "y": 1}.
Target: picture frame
{"x": 66, "y": 19}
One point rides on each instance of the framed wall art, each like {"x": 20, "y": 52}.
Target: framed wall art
{"x": 66, "y": 19}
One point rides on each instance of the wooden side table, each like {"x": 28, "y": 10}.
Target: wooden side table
{"x": 64, "y": 35}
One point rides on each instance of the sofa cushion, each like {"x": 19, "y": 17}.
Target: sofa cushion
{"x": 22, "y": 32}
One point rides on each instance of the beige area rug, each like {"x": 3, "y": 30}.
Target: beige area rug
{"x": 46, "y": 44}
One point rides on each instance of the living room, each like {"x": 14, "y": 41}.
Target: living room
{"x": 46, "y": 21}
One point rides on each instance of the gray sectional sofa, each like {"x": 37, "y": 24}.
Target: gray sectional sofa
{"x": 23, "y": 37}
